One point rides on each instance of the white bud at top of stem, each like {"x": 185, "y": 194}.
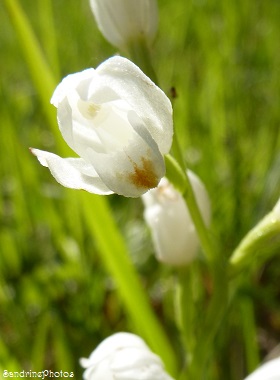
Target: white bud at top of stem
{"x": 124, "y": 21}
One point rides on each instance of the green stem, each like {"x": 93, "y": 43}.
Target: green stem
{"x": 180, "y": 180}
{"x": 177, "y": 151}
{"x": 213, "y": 320}
{"x": 205, "y": 241}
{"x": 185, "y": 311}
{"x": 41, "y": 74}
{"x": 48, "y": 32}
{"x": 249, "y": 333}
{"x": 139, "y": 53}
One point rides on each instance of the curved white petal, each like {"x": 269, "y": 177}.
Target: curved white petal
{"x": 73, "y": 173}
{"x": 268, "y": 371}
{"x": 149, "y": 102}
{"x": 137, "y": 363}
{"x": 78, "y": 81}
{"x": 124, "y": 21}
{"x": 74, "y": 131}
{"x": 135, "y": 169}
{"x": 65, "y": 98}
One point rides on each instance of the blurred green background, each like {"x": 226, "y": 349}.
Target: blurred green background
{"x": 57, "y": 300}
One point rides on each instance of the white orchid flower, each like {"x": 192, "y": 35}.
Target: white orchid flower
{"x": 119, "y": 123}
{"x": 124, "y": 21}
{"x": 268, "y": 371}
{"x": 173, "y": 232}
{"x": 123, "y": 356}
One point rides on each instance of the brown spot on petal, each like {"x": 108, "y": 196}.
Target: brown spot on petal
{"x": 144, "y": 176}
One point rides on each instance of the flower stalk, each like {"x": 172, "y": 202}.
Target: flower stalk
{"x": 180, "y": 180}
{"x": 185, "y": 310}
{"x": 139, "y": 53}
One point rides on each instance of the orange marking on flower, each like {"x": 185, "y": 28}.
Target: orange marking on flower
{"x": 144, "y": 176}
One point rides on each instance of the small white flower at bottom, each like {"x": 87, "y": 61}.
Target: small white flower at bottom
{"x": 268, "y": 371}
{"x": 123, "y": 356}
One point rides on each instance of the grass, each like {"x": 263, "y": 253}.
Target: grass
{"x": 57, "y": 297}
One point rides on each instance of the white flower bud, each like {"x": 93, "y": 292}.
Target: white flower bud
{"x": 123, "y": 356}
{"x": 268, "y": 371}
{"x": 119, "y": 123}
{"x": 173, "y": 232}
{"x": 125, "y": 21}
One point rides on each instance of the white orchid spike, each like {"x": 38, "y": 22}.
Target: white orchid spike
{"x": 268, "y": 371}
{"x": 123, "y": 356}
{"x": 173, "y": 232}
{"x": 119, "y": 123}
{"x": 124, "y": 21}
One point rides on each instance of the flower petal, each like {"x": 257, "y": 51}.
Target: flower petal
{"x": 123, "y": 356}
{"x": 76, "y": 133}
{"x": 72, "y": 88}
{"x": 137, "y": 363}
{"x": 114, "y": 343}
{"x": 175, "y": 239}
{"x": 78, "y": 81}
{"x": 145, "y": 98}
{"x": 131, "y": 171}
{"x": 123, "y": 21}
{"x": 268, "y": 371}
{"x": 73, "y": 173}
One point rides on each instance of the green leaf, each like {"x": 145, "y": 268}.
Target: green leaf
{"x": 258, "y": 245}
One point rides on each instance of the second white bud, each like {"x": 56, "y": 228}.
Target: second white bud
{"x": 173, "y": 232}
